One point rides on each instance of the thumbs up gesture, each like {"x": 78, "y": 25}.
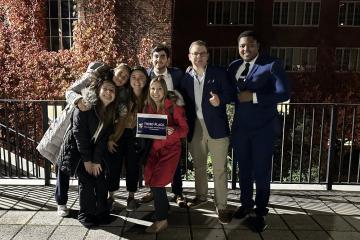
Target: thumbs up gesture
{"x": 214, "y": 100}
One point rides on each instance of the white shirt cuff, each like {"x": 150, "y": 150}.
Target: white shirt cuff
{"x": 255, "y": 101}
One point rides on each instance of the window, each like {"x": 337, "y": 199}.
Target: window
{"x": 61, "y": 17}
{"x": 296, "y": 13}
{"x": 347, "y": 59}
{"x": 349, "y": 13}
{"x": 222, "y": 56}
{"x": 296, "y": 59}
{"x": 230, "y": 12}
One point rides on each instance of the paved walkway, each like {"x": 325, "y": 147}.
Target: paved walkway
{"x": 28, "y": 212}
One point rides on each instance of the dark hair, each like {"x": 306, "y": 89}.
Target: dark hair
{"x": 248, "y": 33}
{"x": 139, "y": 103}
{"x": 107, "y": 114}
{"x": 161, "y": 47}
{"x": 199, "y": 43}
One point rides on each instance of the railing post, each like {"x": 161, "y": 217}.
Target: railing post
{"x": 332, "y": 143}
{"x": 233, "y": 173}
{"x": 45, "y": 125}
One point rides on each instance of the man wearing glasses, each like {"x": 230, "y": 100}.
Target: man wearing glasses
{"x": 261, "y": 84}
{"x": 206, "y": 90}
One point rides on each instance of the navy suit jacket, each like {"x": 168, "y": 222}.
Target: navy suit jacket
{"x": 216, "y": 121}
{"x": 269, "y": 81}
{"x": 176, "y": 75}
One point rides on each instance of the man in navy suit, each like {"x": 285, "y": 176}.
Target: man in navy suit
{"x": 207, "y": 90}
{"x": 160, "y": 57}
{"x": 261, "y": 84}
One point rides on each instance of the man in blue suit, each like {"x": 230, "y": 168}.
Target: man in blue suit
{"x": 207, "y": 90}
{"x": 261, "y": 84}
{"x": 160, "y": 57}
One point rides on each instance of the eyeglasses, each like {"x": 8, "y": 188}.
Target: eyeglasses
{"x": 200, "y": 54}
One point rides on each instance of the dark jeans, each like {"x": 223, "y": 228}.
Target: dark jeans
{"x": 92, "y": 193}
{"x": 161, "y": 203}
{"x": 62, "y": 187}
{"x": 114, "y": 162}
{"x": 176, "y": 184}
{"x": 132, "y": 161}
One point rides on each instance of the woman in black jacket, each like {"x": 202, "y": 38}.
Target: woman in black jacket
{"x": 91, "y": 130}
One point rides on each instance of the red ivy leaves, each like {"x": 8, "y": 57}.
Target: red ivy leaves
{"x": 112, "y": 31}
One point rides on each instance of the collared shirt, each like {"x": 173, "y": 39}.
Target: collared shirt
{"x": 198, "y": 91}
{"x": 241, "y": 69}
{"x": 167, "y": 77}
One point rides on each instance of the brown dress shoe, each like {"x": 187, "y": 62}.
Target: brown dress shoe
{"x": 196, "y": 202}
{"x": 157, "y": 226}
{"x": 148, "y": 197}
{"x": 224, "y": 216}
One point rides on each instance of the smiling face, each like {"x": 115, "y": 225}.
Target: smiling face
{"x": 159, "y": 60}
{"x": 248, "y": 48}
{"x": 121, "y": 76}
{"x": 137, "y": 80}
{"x": 157, "y": 92}
{"x": 107, "y": 93}
{"x": 198, "y": 56}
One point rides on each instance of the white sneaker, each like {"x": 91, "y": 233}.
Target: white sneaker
{"x": 62, "y": 210}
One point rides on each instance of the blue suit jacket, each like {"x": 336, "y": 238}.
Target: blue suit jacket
{"x": 269, "y": 81}
{"x": 216, "y": 121}
{"x": 176, "y": 75}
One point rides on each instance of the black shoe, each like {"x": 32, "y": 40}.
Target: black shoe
{"x": 242, "y": 212}
{"x": 180, "y": 200}
{"x": 257, "y": 223}
{"x": 106, "y": 219}
{"x": 88, "y": 221}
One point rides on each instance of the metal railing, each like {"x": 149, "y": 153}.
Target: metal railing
{"x": 317, "y": 144}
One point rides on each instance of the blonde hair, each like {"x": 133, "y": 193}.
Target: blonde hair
{"x": 150, "y": 101}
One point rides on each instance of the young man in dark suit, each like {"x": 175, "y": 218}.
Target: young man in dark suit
{"x": 261, "y": 84}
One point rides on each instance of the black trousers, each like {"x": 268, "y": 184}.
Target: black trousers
{"x": 161, "y": 203}
{"x": 62, "y": 187}
{"x": 132, "y": 161}
{"x": 92, "y": 193}
{"x": 176, "y": 184}
{"x": 114, "y": 162}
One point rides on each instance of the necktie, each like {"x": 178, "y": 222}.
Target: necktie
{"x": 246, "y": 70}
{"x": 242, "y": 78}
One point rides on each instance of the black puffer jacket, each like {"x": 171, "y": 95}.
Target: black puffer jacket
{"x": 79, "y": 143}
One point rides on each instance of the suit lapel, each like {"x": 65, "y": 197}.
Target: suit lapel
{"x": 254, "y": 68}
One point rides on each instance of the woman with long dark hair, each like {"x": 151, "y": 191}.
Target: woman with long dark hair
{"x": 91, "y": 130}
{"x": 123, "y": 139}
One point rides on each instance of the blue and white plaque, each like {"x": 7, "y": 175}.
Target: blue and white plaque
{"x": 151, "y": 126}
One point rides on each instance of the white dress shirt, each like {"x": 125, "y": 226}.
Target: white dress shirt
{"x": 242, "y": 68}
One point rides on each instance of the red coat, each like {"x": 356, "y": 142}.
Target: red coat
{"x": 165, "y": 154}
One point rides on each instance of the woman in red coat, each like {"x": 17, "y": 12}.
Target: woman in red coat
{"x": 164, "y": 154}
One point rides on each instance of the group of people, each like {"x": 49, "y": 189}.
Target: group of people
{"x": 101, "y": 135}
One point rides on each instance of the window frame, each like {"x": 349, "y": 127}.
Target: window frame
{"x": 60, "y": 36}
{"x": 212, "y": 54}
{"x": 344, "y": 24}
{"x": 282, "y": 23}
{"x": 339, "y": 65}
{"x": 284, "y": 50}
{"x": 231, "y": 11}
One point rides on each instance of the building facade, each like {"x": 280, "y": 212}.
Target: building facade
{"x": 314, "y": 38}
